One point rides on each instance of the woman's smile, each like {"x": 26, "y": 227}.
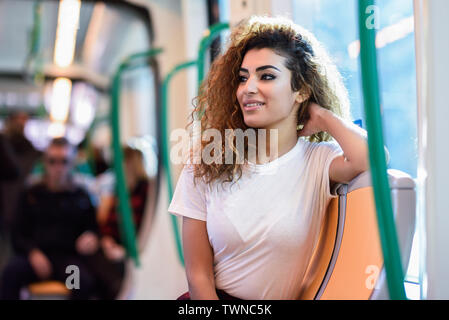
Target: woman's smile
{"x": 252, "y": 105}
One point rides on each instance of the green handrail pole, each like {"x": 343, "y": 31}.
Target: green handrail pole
{"x": 166, "y": 146}
{"x": 206, "y": 41}
{"x": 36, "y": 31}
{"x": 128, "y": 231}
{"x": 127, "y": 223}
{"x": 385, "y": 217}
{"x": 33, "y": 59}
{"x": 210, "y": 35}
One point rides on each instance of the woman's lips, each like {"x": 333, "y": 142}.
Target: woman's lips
{"x": 253, "y": 106}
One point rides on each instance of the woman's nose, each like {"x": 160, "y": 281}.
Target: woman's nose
{"x": 251, "y": 85}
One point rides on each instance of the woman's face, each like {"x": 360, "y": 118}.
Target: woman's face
{"x": 264, "y": 93}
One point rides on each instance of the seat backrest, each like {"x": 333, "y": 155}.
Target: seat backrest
{"x": 403, "y": 195}
{"x": 348, "y": 262}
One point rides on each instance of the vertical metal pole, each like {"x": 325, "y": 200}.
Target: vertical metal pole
{"x": 385, "y": 217}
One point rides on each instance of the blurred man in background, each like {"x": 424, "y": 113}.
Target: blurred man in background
{"x": 9, "y": 171}
{"x": 25, "y": 156}
{"x": 55, "y": 228}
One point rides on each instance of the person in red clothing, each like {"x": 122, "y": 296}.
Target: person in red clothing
{"x": 109, "y": 262}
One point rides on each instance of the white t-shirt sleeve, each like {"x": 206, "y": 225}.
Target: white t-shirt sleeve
{"x": 326, "y": 152}
{"x": 189, "y": 199}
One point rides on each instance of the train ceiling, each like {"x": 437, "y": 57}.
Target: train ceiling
{"x": 106, "y": 33}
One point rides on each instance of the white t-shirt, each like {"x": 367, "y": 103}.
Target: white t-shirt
{"x": 263, "y": 228}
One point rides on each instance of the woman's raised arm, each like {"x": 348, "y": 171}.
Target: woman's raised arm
{"x": 350, "y": 137}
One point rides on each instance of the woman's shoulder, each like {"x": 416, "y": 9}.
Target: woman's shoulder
{"x": 316, "y": 149}
{"x": 309, "y": 145}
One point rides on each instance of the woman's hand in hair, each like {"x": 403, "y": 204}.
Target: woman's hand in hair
{"x": 349, "y": 136}
{"x": 316, "y": 122}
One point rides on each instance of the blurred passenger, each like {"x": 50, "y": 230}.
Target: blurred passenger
{"x": 55, "y": 228}
{"x": 81, "y": 173}
{"x": 100, "y": 164}
{"x": 82, "y": 162}
{"x": 109, "y": 262}
{"x": 26, "y": 156}
{"x": 9, "y": 171}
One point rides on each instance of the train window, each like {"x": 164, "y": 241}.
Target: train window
{"x": 335, "y": 24}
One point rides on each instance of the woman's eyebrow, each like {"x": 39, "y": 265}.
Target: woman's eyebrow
{"x": 267, "y": 67}
{"x": 261, "y": 68}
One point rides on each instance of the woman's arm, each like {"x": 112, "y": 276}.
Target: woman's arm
{"x": 350, "y": 137}
{"x": 104, "y": 206}
{"x": 199, "y": 259}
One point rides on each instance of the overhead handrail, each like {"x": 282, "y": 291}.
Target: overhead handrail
{"x": 127, "y": 227}
{"x": 385, "y": 217}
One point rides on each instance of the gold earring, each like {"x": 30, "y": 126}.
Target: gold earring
{"x": 299, "y": 127}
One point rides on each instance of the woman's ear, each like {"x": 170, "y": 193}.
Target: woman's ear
{"x": 302, "y": 96}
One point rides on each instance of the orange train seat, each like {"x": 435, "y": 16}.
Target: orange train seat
{"x": 47, "y": 290}
{"x": 347, "y": 262}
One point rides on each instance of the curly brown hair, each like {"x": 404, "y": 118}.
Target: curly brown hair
{"x": 313, "y": 73}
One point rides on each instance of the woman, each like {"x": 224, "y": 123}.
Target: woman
{"x": 249, "y": 229}
{"x": 137, "y": 183}
{"x": 109, "y": 262}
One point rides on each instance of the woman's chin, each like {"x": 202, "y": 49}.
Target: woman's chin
{"x": 255, "y": 123}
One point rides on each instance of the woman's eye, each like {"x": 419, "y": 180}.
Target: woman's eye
{"x": 242, "y": 78}
{"x": 268, "y": 76}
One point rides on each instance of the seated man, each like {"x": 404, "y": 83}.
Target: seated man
{"x": 56, "y": 228}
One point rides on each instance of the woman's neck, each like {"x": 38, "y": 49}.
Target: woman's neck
{"x": 283, "y": 140}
